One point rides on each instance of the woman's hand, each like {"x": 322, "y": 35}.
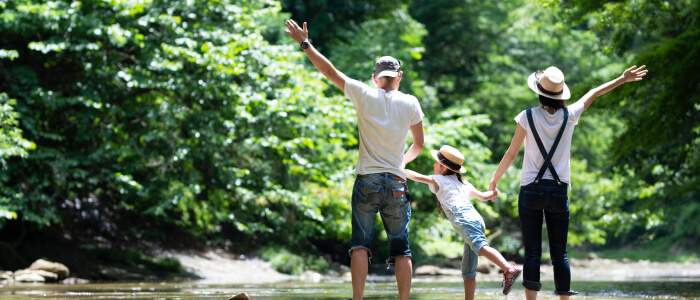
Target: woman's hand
{"x": 492, "y": 186}
{"x": 295, "y": 32}
{"x": 495, "y": 195}
{"x": 633, "y": 74}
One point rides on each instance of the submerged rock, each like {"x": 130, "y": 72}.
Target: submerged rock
{"x": 311, "y": 276}
{"x": 241, "y": 296}
{"x": 29, "y": 277}
{"x": 74, "y": 280}
{"x": 5, "y": 275}
{"x": 60, "y": 269}
{"x": 484, "y": 267}
{"x": 48, "y": 276}
{"x": 427, "y": 270}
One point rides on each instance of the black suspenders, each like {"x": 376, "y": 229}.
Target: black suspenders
{"x": 547, "y": 157}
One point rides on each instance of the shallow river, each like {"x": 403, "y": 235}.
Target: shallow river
{"x": 338, "y": 289}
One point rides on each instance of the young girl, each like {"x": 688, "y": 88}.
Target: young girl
{"x": 453, "y": 195}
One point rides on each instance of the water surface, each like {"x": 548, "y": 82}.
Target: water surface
{"x": 338, "y": 289}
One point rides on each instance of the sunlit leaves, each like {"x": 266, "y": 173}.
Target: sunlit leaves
{"x": 11, "y": 141}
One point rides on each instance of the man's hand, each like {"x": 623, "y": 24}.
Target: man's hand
{"x": 295, "y": 32}
{"x": 634, "y": 75}
{"x": 321, "y": 63}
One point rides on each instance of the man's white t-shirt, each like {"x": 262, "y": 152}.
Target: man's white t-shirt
{"x": 547, "y": 126}
{"x": 383, "y": 120}
{"x": 452, "y": 192}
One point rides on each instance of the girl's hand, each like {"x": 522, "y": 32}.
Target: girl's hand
{"x": 634, "y": 75}
{"x": 495, "y": 195}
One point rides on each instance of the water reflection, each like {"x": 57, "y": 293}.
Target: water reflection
{"x": 326, "y": 290}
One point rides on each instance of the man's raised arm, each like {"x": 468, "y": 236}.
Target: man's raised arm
{"x": 301, "y": 36}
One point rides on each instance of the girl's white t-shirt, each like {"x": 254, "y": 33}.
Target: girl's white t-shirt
{"x": 547, "y": 126}
{"x": 452, "y": 192}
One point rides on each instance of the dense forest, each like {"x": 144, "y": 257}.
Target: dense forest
{"x": 128, "y": 124}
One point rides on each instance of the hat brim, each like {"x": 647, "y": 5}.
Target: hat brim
{"x": 532, "y": 83}
{"x": 434, "y": 154}
{"x": 387, "y": 74}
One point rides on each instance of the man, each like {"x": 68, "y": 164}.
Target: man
{"x": 384, "y": 117}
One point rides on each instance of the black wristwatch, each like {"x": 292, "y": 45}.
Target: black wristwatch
{"x": 305, "y": 44}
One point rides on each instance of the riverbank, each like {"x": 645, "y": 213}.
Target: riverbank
{"x": 216, "y": 266}
{"x": 219, "y": 266}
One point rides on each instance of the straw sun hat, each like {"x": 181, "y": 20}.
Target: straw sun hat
{"x": 549, "y": 83}
{"x": 450, "y": 158}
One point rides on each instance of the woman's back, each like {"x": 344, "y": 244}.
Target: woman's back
{"x": 547, "y": 126}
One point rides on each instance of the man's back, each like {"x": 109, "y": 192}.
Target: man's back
{"x": 383, "y": 121}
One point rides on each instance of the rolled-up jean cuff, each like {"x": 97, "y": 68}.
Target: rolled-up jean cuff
{"x": 369, "y": 252}
{"x": 392, "y": 259}
{"x": 469, "y": 275}
{"x": 477, "y": 248}
{"x": 567, "y": 293}
{"x": 531, "y": 285}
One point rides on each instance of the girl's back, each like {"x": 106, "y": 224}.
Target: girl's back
{"x": 452, "y": 192}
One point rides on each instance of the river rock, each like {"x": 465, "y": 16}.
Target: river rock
{"x": 48, "y": 276}
{"x": 427, "y": 270}
{"x": 241, "y": 296}
{"x": 5, "y": 275}
{"x": 22, "y": 272}
{"x": 311, "y": 276}
{"x": 52, "y": 267}
{"x": 484, "y": 267}
{"x": 74, "y": 280}
{"x": 347, "y": 275}
{"x": 29, "y": 277}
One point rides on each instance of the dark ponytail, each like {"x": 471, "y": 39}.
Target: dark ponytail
{"x": 553, "y": 103}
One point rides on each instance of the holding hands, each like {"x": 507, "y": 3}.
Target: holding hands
{"x": 493, "y": 195}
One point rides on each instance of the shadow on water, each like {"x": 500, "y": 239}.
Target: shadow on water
{"x": 341, "y": 290}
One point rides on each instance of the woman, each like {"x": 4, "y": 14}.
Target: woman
{"x": 547, "y": 131}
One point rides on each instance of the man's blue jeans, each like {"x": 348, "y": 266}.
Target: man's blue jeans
{"x": 548, "y": 200}
{"x": 386, "y": 194}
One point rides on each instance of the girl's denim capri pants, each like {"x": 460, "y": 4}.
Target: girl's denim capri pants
{"x": 470, "y": 225}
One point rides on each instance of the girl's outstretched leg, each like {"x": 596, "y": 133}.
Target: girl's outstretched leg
{"x": 495, "y": 256}
{"x": 469, "y": 288}
{"x": 510, "y": 272}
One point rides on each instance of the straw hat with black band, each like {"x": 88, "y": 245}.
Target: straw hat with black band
{"x": 549, "y": 83}
{"x": 450, "y": 158}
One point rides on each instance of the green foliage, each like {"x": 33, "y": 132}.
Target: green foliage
{"x": 205, "y": 117}
{"x": 327, "y": 19}
{"x": 132, "y": 259}
{"x": 11, "y": 141}
{"x": 166, "y": 112}
{"x": 659, "y": 145}
{"x": 287, "y": 262}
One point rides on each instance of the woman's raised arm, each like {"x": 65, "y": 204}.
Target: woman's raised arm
{"x": 630, "y": 74}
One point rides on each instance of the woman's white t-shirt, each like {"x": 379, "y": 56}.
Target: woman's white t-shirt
{"x": 452, "y": 192}
{"x": 547, "y": 126}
